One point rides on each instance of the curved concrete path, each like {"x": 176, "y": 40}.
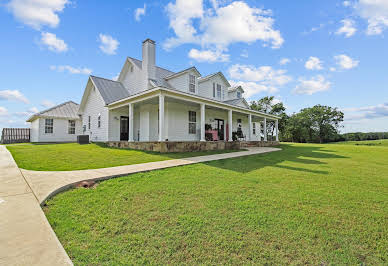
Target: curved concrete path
{"x": 26, "y": 237}
{"x": 45, "y": 184}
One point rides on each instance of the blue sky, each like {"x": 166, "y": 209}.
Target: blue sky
{"x": 304, "y": 53}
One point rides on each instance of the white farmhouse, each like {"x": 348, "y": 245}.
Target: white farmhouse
{"x": 152, "y": 108}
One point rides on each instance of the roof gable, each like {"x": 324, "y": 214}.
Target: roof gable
{"x": 202, "y": 79}
{"x": 65, "y": 110}
{"x": 110, "y": 90}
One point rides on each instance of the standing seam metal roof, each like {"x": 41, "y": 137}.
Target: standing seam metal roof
{"x": 65, "y": 110}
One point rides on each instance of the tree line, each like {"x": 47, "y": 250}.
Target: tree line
{"x": 317, "y": 124}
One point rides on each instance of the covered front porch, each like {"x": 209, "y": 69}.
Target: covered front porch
{"x": 166, "y": 121}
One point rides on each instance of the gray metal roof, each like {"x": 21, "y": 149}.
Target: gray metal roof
{"x": 110, "y": 90}
{"x": 67, "y": 110}
{"x": 235, "y": 101}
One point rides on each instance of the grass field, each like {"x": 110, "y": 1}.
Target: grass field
{"x": 308, "y": 204}
{"x": 381, "y": 142}
{"x": 72, "y": 156}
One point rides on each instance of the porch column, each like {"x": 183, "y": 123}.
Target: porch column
{"x": 250, "y": 127}
{"x": 259, "y": 129}
{"x": 230, "y": 123}
{"x": 130, "y": 122}
{"x": 265, "y": 129}
{"x": 161, "y": 117}
{"x": 203, "y": 122}
{"x": 277, "y": 129}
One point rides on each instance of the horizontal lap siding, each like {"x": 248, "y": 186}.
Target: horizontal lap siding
{"x": 177, "y": 121}
{"x": 94, "y": 106}
{"x": 60, "y": 131}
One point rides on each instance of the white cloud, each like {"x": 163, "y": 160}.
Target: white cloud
{"x": 313, "y": 63}
{"x": 47, "y": 103}
{"x": 108, "y": 44}
{"x": 333, "y": 69}
{"x": 208, "y": 56}
{"x": 72, "y": 70}
{"x": 53, "y": 43}
{"x": 311, "y": 86}
{"x": 37, "y": 13}
{"x": 255, "y": 80}
{"x": 284, "y": 61}
{"x": 375, "y": 12}
{"x": 13, "y": 95}
{"x": 29, "y": 112}
{"x": 367, "y": 112}
{"x": 348, "y": 28}
{"x": 345, "y": 62}
{"x": 3, "y": 111}
{"x": 346, "y": 3}
{"x": 219, "y": 26}
{"x": 140, "y": 12}
{"x": 244, "y": 53}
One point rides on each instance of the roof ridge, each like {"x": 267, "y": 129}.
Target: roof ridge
{"x": 56, "y": 106}
{"x": 105, "y": 78}
{"x": 155, "y": 65}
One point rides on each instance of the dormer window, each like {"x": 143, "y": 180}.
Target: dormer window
{"x": 238, "y": 94}
{"x": 218, "y": 91}
{"x": 192, "y": 83}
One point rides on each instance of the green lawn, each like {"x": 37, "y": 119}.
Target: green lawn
{"x": 308, "y": 204}
{"x": 381, "y": 142}
{"x": 72, "y": 156}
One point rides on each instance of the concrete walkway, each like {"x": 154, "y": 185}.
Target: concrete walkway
{"x": 26, "y": 237}
{"x": 45, "y": 184}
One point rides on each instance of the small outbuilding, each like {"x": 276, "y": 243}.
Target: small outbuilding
{"x": 60, "y": 123}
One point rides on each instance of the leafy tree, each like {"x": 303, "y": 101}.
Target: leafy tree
{"x": 270, "y": 106}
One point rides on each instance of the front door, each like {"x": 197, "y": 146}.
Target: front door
{"x": 220, "y": 128}
{"x": 124, "y": 128}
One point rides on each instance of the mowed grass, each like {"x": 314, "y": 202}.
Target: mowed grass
{"x": 72, "y": 156}
{"x": 307, "y": 204}
{"x": 381, "y": 142}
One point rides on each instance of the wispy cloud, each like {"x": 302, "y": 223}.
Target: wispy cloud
{"x": 53, "y": 43}
{"x": 72, "y": 70}
{"x": 139, "y": 12}
{"x": 312, "y": 85}
{"x": 13, "y": 95}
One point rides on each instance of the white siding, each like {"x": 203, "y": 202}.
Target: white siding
{"x": 93, "y": 107}
{"x": 60, "y": 131}
{"x": 34, "y": 135}
{"x": 133, "y": 81}
{"x": 181, "y": 82}
{"x": 206, "y": 88}
{"x": 177, "y": 121}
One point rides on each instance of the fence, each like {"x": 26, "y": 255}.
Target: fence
{"x": 15, "y": 135}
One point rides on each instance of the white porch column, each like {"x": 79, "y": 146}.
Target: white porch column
{"x": 277, "y": 129}
{"x": 161, "y": 117}
{"x": 259, "y": 130}
{"x": 265, "y": 129}
{"x": 250, "y": 127}
{"x": 130, "y": 122}
{"x": 230, "y": 123}
{"x": 203, "y": 122}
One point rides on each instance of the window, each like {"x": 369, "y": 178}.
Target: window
{"x": 254, "y": 128}
{"x": 192, "y": 122}
{"x": 238, "y": 94}
{"x": 191, "y": 83}
{"x": 49, "y": 126}
{"x": 89, "y": 122}
{"x": 218, "y": 91}
{"x": 214, "y": 90}
{"x": 99, "y": 120}
{"x": 84, "y": 128}
{"x": 71, "y": 128}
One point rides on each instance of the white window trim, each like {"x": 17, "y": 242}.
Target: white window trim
{"x": 69, "y": 126}
{"x": 193, "y": 122}
{"x": 191, "y": 83}
{"x": 52, "y": 126}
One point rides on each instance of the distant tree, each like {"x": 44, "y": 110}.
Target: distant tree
{"x": 270, "y": 106}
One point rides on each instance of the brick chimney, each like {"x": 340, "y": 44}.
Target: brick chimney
{"x": 148, "y": 60}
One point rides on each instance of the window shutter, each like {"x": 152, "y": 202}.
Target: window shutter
{"x": 214, "y": 90}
